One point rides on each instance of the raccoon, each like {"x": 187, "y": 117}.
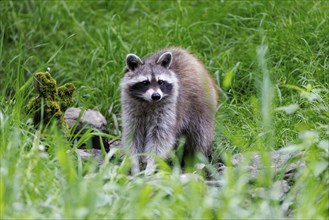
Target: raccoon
{"x": 166, "y": 96}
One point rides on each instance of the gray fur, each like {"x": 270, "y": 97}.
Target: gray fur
{"x": 153, "y": 127}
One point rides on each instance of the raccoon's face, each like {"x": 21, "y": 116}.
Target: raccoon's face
{"x": 151, "y": 81}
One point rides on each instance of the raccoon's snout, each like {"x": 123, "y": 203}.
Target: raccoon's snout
{"x": 156, "y": 96}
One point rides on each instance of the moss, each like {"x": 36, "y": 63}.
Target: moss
{"x": 51, "y": 102}
{"x": 65, "y": 93}
{"x": 32, "y": 105}
{"x": 46, "y": 85}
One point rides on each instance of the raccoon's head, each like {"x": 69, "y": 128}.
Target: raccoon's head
{"x": 150, "y": 80}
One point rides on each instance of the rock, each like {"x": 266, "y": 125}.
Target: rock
{"x": 215, "y": 183}
{"x": 281, "y": 162}
{"x": 86, "y": 154}
{"x": 89, "y": 119}
{"x": 187, "y": 177}
{"x": 275, "y": 192}
{"x": 116, "y": 144}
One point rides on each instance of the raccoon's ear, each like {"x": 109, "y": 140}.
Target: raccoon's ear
{"x": 165, "y": 60}
{"x": 133, "y": 61}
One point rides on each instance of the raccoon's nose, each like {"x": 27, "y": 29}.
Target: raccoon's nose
{"x": 156, "y": 96}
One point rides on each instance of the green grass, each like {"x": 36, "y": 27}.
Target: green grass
{"x": 264, "y": 55}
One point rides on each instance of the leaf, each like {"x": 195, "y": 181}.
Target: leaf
{"x": 227, "y": 81}
{"x": 324, "y": 144}
{"x": 311, "y": 96}
{"x": 289, "y": 109}
{"x": 292, "y": 148}
{"x": 309, "y": 137}
{"x": 320, "y": 167}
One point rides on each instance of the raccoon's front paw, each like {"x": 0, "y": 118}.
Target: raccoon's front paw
{"x": 150, "y": 168}
{"x": 135, "y": 166}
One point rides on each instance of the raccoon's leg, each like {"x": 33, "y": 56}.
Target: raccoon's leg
{"x": 135, "y": 164}
{"x": 199, "y": 137}
{"x": 161, "y": 138}
{"x": 133, "y": 139}
{"x": 150, "y": 166}
{"x": 135, "y": 149}
{"x": 150, "y": 149}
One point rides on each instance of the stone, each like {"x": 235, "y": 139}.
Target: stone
{"x": 89, "y": 119}
{"x": 280, "y": 162}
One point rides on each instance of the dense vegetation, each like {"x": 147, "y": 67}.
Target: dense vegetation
{"x": 270, "y": 60}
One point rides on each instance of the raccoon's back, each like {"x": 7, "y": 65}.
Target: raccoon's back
{"x": 198, "y": 96}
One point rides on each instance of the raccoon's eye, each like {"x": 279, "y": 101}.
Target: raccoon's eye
{"x": 160, "y": 82}
{"x": 146, "y": 82}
